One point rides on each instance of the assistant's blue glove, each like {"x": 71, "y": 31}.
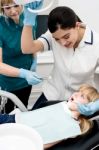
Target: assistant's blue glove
{"x": 30, "y": 17}
{"x": 34, "y": 64}
{"x": 88, "y": 109}
{"x": 31, "y": 77}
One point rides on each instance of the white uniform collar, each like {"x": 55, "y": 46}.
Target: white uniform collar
{"x": 87, "y": 38}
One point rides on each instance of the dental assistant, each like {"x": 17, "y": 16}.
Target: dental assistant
{"x": 75, "y": 49}
{"x": 15, "y": 76}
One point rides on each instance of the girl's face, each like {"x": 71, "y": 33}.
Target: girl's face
{"x": 12, "y": 11}
{"x": 78, "y": 97}
{"x": 69, "y": 38}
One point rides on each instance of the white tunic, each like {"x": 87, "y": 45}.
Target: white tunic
{"x": 72, "y": 68}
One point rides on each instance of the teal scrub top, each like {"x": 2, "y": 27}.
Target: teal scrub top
{"x": 10, "y": 42}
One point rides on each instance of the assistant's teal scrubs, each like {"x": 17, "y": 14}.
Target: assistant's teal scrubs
{"x": 10, "y": 42}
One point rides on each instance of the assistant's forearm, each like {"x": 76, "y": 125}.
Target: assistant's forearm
{"x": 8, "y": 70}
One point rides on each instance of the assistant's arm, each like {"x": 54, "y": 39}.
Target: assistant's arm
{"x": 31, "y": 77}
{"x": 7, "y": 69}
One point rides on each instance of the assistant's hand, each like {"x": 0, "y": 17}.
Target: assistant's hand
{"x": 30, "y": 17}
{"x": 31, "y": 77}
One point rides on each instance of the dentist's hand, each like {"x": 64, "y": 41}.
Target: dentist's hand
{"x": 31, "y": 77}
{"x": 88, "y": 109}
{"x": 30, "y": 17}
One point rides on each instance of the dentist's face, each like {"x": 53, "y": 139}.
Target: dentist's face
{"x": 67, "y": 37}
{"x": 78, "y": 97}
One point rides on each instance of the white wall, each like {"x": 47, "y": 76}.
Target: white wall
{"x": 46, "y": 2}
{"x": 87, "y": 10}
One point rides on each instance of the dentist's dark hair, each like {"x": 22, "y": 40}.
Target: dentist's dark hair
{"x": 62, "y": 17}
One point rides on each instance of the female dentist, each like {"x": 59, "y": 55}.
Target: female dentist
{"x": 73, "y": 47}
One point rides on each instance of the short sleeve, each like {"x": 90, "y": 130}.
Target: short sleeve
{"x": 46, "y": 39}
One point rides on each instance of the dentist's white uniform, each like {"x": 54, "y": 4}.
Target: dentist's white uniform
{"x": 72, "y": 68}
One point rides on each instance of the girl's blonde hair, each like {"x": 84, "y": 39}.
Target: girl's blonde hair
{"x": 92, "y": 95}
{"x": 4, "y": 2}
{"x": 91, "y": 92}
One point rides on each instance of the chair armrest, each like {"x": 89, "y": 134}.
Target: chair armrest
{"x": 14, "y": 99}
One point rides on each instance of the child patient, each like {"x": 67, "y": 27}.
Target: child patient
{"x": 57, "y": 122}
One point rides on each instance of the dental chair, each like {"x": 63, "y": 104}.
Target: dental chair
{"x": 90, "y": 141}
{"x": 17, "y": 136}
{"x": 4, "y": 96}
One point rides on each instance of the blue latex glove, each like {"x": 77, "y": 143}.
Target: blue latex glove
{"x": 29, "y": 17}
{"x": 35, "y": 4}
{"x": 34, "y": 64}
{"x": 88, "y": 109}
{"x": 31, "y": 77}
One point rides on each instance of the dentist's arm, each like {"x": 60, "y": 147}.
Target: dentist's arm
{"x": 29, "y": 45}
